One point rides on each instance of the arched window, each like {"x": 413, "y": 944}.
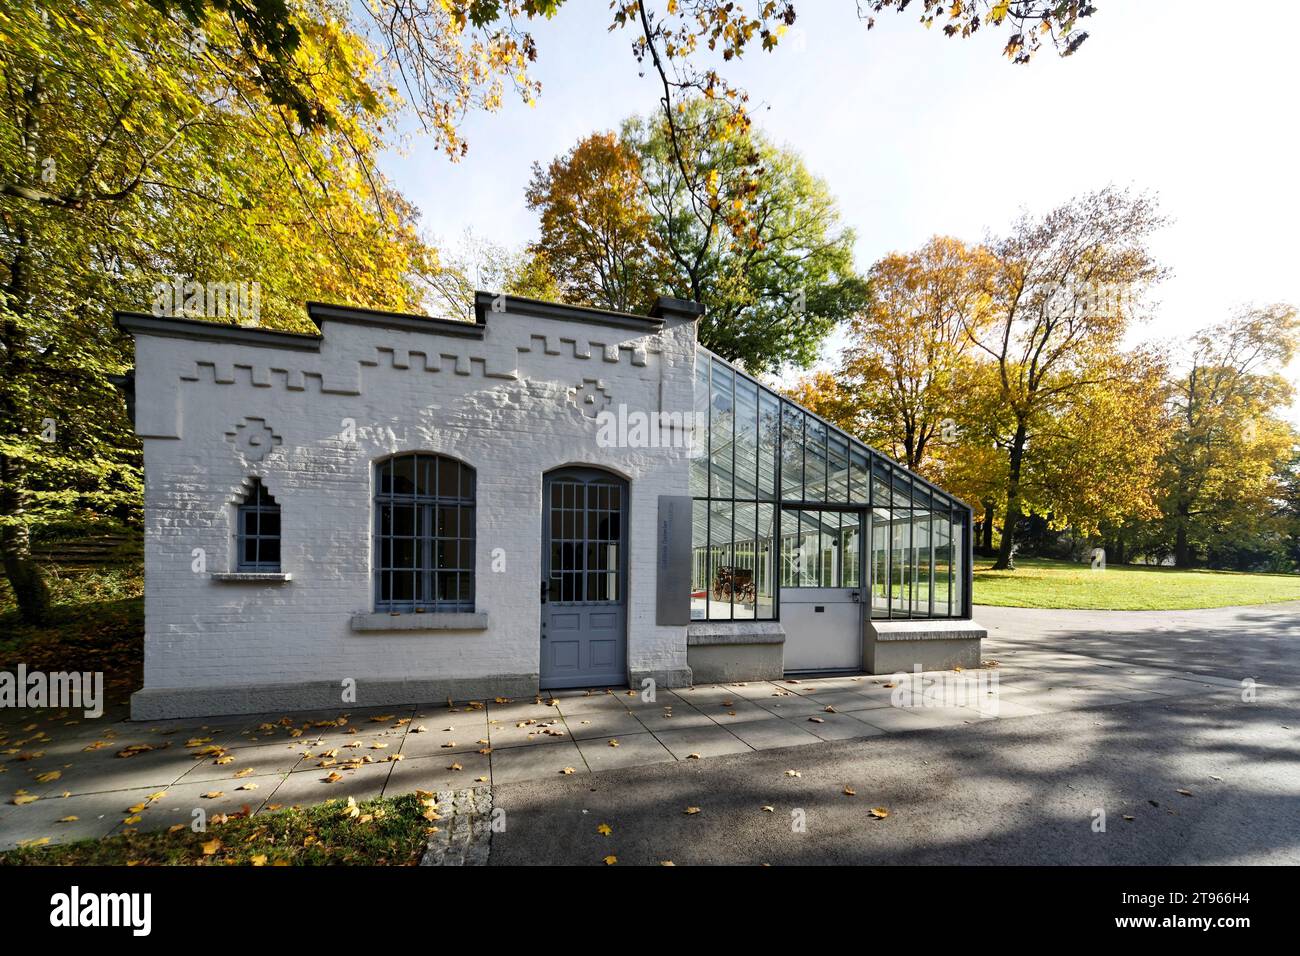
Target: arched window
{"x": 259, "y": 530}
{"x": 424, "y": 534}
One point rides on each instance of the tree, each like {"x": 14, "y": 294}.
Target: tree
{"x": 596, "y": 234}
{"x": 1226, "y": 468}
{"x": 131, "y": 154}
{"x": 1062, "y": 299}
{"x": 909, "y": 364}
{"x": 476, "y": 263}
{"x": 762, "y": 248}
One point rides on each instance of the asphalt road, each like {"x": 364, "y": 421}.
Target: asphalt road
{"x": 1262, "y": 642}
{"x": 1007, "y": 791}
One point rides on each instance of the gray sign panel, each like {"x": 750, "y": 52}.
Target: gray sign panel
{"x": 673, "y": 559}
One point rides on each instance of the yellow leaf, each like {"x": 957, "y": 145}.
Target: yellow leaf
{"x": 259, "y": 860}
{"x": 49, "y": 776}
{"x": 850, "y": 792}
{"x": 691, "y": 811}
{"x": 68, "y": 819}
{"x": 879, "y": 812}
{"x": 611, "y": 860}
{"x": 212, "y": 795}
{"x": 604, "y": 829}
{"x": 211, "y": 847}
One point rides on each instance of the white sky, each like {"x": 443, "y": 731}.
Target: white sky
{"x": 918, "y": 134}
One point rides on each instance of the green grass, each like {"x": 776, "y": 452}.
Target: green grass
{"x": 382, "y": 832}
{"x": 1062, "y": 584}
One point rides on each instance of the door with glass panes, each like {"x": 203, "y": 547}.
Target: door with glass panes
{"x": 584, "y": 579}
{"x": 822, "y": 553}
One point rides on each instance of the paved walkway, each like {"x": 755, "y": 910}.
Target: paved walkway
{"x": 85, "y": 787}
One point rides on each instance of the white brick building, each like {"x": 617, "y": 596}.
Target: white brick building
{"x": 423, "y": 509}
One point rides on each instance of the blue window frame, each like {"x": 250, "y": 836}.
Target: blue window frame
{"x": 424, "y": 534}
{"x": 259, "y": 531}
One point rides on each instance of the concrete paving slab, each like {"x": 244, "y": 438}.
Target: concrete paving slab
{"x": 434, "y": 773}
{"x": 97, "y": 815}
{"x": 306, "y": 788}
{"x": 705, "y": 741}
{"x": 528, "y": 732}
{"x": 273, "y": 758}
{"x": 536, "y": 763}
{"x": 603, "y": 723}
{"x": 634, "y": 750}
{"x": 735, "y": 712}
{"x": 178, "y": 804}
{"x": 771, "y": 734}
{"x": 837, "y": 727}
{"x": 677, "y": 717}
{"x": 446, "y": 738}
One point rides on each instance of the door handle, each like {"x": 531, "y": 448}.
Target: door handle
{"x": 857, "y": 596}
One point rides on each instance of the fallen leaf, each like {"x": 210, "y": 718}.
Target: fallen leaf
{"x": 211, "y": 847}
{"x": 793, "y": 773}
{"x": 878, "y": 812}
{"x": 611, "y": 860}
{"x": 604, "y": 829}
{"x": 568, "y": 770}
{"x": 259, "y": 860}
{"x": 691, "y": 811}
{"x": 850, "y": 792}
{"x": 68, "y": 819}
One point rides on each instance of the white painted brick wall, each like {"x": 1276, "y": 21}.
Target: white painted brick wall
{"x": 202, "y": 634}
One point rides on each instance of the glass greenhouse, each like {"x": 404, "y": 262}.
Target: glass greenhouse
{"x": 784, "y": 502}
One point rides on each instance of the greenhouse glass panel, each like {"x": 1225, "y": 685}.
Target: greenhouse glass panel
{"x": 837, "y": 469}
{"x": 699, "y": 482}
{"x": 699, "y": 560}
{"x": 721, "y": 563}
{"x": 769, "y": 430}
{"x": 814, "y": 460}
{"x": 746, "y": 438}
{"x": 722, "y": 420}
{"x": 791, "y": 452}
{"x": 859, "y": 487}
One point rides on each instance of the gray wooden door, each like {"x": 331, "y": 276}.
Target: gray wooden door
{"x": 584, "y": 579}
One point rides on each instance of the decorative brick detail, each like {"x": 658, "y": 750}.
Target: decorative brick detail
{"x": 253, "y": 439}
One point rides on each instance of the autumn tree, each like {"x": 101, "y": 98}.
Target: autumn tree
{"x": 596, "y": 234}
{"x": 1226, "y": 469}
{"x": 135, "y": 150}
{"x": 1063, "y": 296}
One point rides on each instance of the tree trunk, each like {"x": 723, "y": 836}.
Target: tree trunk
{"x": 1004, "y": 562}
{"x": 1182, "y": 550}
{"x": 30, "y": 592}
{"x": 24, "y": 576}
{"x": 986, "y": 527}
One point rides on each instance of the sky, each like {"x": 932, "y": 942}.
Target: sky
{"x": 918, "y": 134}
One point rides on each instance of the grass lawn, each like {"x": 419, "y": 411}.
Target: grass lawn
{"x": 390, "y": 832}
{"x": 1062, "y": 584}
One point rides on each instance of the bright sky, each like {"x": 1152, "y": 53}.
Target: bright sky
{"x": 918, "y": 134}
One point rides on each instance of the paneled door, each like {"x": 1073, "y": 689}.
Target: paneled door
{"x": 584, "y": 579}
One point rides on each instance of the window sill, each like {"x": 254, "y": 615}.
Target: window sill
{"x": 381, "y": 622}
{"x": 250, "y": 577}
